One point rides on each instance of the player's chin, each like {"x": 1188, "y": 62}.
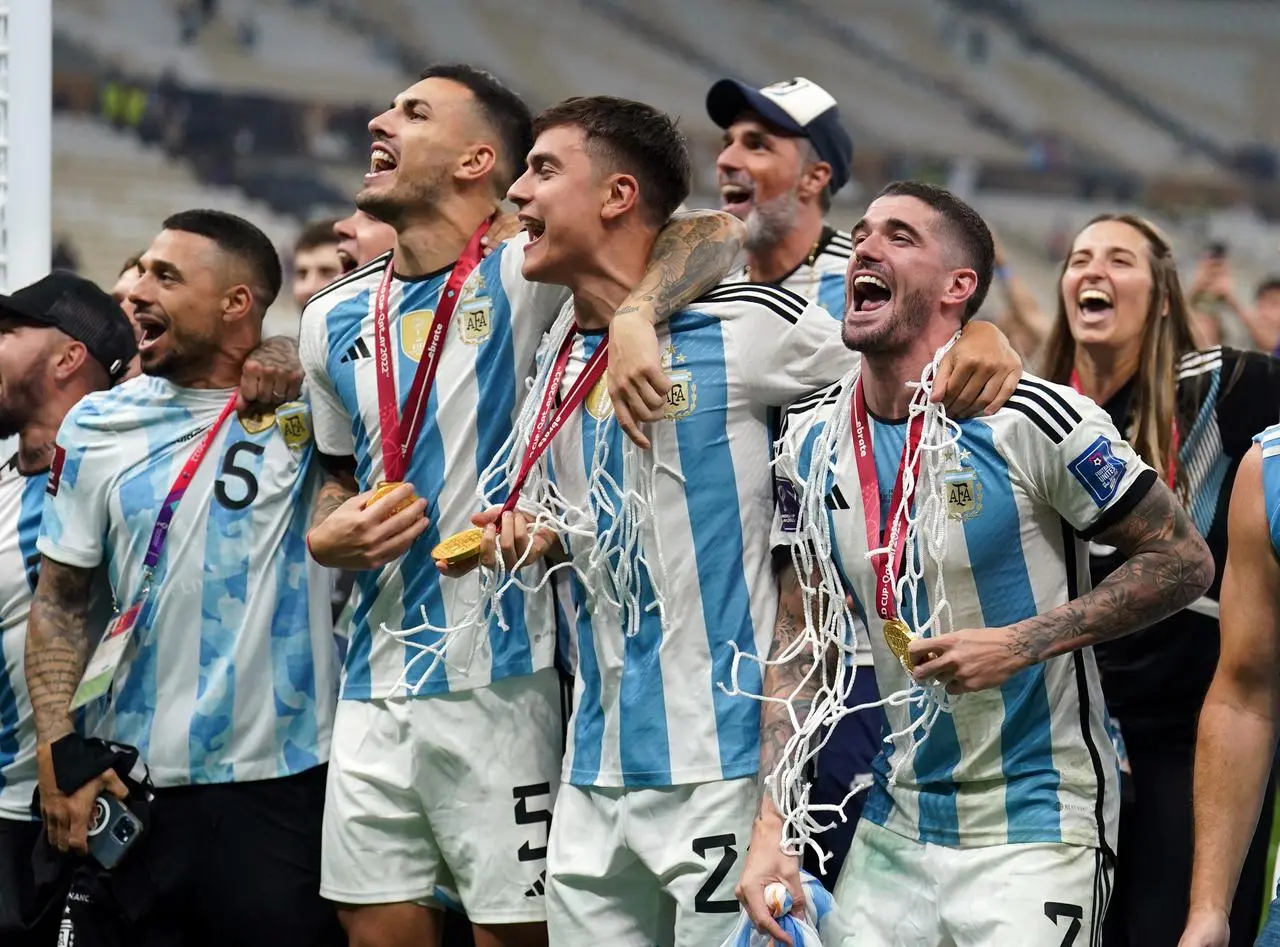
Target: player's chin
{"x": 863, "y": 334}
{"x": 538, "y": 265}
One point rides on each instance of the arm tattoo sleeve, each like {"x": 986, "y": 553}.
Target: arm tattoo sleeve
{"x": 1167, "y": 567}
{"x": 794, "y": 680}
{"x": 58, "y": 644}
{"x": 280, "y": 352}
{"x": 692, "y": 254}
{"x": 337, "y": 489}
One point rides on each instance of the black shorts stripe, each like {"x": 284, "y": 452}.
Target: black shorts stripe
{"x": 1047, "y": 407}
{"x": 1037, "y": 418}
{"x": 1054, "y": 395}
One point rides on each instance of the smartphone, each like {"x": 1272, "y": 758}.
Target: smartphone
{"x": 1216, "y": 250}
{"x": 113, "y": 830}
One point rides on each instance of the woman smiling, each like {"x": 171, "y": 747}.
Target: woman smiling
{"x": 1123, "y": 336}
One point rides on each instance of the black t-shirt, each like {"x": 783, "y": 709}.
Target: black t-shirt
{"x": 1155, "y": 680}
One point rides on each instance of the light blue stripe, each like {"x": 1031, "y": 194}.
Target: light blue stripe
{"x": 711, "y": 492}
{"x": 223, "y": 599}
{"x": 31, "y": 506}
{"x": 293, "y": 669}
{"x": 831, "y": 294}
{"x": 588, "y": 712}
{"x": 1005, "y": 595}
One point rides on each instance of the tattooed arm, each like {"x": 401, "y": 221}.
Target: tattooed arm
{"x": 350, "y": 530}
{"x": 693, "y": 253}
{"x": 1167, "y": 567}
{"x": 793, "y": 681}
{"x": 270, "y": 376}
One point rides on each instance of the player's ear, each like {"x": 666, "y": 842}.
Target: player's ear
{"x": 476, "y": 162}
{"x": 815, "y": 177}
{"x": 963, "y": 284}
{"x": 622, "y": 195}
{"x": 69, "y": 358}
{"x": 237, "y": 303}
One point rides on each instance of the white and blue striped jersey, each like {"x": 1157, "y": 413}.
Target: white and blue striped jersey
{"x": 648, "y": 708}
{"x": 1270, "y": 443}
{"x": 234, "y": 677}
{"x": 483, "y": 373}
{"x": 821, "y": 281}
{"x": 21, "y": 499}
{"x": 1029, "y": 761}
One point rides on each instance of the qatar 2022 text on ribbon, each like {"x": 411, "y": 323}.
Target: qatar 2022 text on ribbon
{"x": 551, "y": 417}
{"x": 400, "y": 433}
{"x": 897, "y": 634}
{"x": 107, "y": 656}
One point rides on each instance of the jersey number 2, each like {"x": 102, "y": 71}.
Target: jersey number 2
{"x": 702, "y": 901}
{"x": 1054, "y": 910}
{"x": 230, "y": 471}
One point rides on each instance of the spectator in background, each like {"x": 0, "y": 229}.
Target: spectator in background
{"x": 1123, "y": 336}
{"x": 362, "y": 238}
{"x": 130, "y": 273}
{"x": 1023, "y": 321}
{"x": 65, "y": 256}
{"x": 316, "y": 262}
{"x": 1213, "y": 290}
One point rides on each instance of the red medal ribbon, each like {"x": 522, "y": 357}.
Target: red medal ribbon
{"x": 552, "y": 417}
{"x": 886, "y": 564}
{"x": 398, "y": 443}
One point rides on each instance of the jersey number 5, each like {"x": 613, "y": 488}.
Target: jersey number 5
{"x": 527, "y": 816}
{"x": 247, "y": 491}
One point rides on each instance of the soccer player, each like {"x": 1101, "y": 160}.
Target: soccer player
{"x": 658, "y": 793}
{"x": 316, "y": 261}
{"x": 225, "y": 687}
{"x": 444, "y": 771}
{"x": 1235, "y": 749}
{"x": 60, "y": 339}
{"x": 999, "y": 829}
{"x": 362, "y": 238}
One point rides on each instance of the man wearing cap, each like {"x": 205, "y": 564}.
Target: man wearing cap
{"x": 785, "y": 154}
{"x": 60, "y": 339}
{"x": 224, "y": 680}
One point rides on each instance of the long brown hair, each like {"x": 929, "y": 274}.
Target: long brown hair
{"x": 1166, "y": 337}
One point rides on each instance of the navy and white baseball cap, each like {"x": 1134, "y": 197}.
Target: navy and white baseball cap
{"x": 796, "y": 106}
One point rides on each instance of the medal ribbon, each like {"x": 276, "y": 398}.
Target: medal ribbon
{"x": 886, "y": 564}
{"x": 160, "y": 531}
{"x": 552, "y": 417}
{"x": 1174, "y": 442}
{"x": 398, "y": 443}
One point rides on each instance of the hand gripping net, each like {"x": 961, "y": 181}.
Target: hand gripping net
{"x": 829, "y": 627}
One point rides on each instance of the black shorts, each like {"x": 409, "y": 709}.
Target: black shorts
{"x": 237, "y": 863}
{"x": 28, "y": 916}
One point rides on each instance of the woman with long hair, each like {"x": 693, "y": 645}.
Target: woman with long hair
{"x": 1123, "y": 336}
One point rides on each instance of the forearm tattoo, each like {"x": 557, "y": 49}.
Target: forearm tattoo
{"x": 57, "y": 646}
{"x": 691, "y": 255}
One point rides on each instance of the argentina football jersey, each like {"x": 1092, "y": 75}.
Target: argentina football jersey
{"x": 480, "y": 383}
{"x": 233, "y": 677}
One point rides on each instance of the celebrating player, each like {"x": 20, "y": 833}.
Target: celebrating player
{"x": 60, "y": 339}
{"x": 1236, "y": 745}
{"x": 220, "y": 668}
{"x": 316, "y": 261}
{"x": 446, "y": 758}
{"x": 669, "y": 546}
{"x": 1012, "y": 787}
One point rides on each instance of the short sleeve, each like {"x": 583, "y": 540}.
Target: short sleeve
{"x": 1076, "y": 459}
{"x": 785, "y": 347}
{"x": 535, "y": 304}
{"x": 793, "y": 458}
{"x": 332, "y": 423}
{"x": 73, "y": 526}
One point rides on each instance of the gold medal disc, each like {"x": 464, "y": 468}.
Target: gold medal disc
{"x": 383, "y": 488}
{"x": 459, "y": 547}
{"x": 898, "y": 636}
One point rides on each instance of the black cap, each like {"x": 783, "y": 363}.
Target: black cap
{"x": 79, "y": 308}
{"x": 798, "y": 107}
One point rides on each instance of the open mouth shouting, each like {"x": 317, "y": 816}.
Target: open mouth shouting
{"x": 1096, "y": 304}
{"x": 534, "y": 227}
{"x": 870, "y": 292}
{"x": 382, "y": 162}
{"x": 737, "y": 197}
{"x": 153, "y": 327}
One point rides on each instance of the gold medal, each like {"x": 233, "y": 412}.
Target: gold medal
{"x": 383, "y": 488}
{"x": 459, "y": 547}
{"x": 898, "y": 636}
{"x": 257, "y": 423}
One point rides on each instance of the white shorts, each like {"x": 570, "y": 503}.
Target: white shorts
{"x": 898, "y": 892}
{"x": 433, "y": 796}
{"x": 638, "y": 867}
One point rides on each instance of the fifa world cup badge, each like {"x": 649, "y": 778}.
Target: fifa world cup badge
{"x": 257, "y": 423}
{"x": 964, "y": 490}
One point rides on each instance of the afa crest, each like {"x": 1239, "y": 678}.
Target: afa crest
{"x": 964, "y": 493}
{"x": 683, "y": 396}
{"x": 294, "y": 421}
{"x": 597, "y": 402}
{"x": 474, "y": 322}
{"x": 415, "y": 328}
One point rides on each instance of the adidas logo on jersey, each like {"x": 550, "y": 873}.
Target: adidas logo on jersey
{"x": 539, "y": 886}
{"x": 359, "y": 350}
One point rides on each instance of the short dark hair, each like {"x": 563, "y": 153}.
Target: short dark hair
{"x": 130, "y": 263}
{"x": 503, "y": 110}
{"x": 966, "y": 228}
{"x": 318, "y": 233}
{"x": 1268, "y": 285}
{"x": 635, "y": 138}
{"x": 236, "y": 237}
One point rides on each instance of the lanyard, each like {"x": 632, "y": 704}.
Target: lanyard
{"x": 1174, "y": 442}
{"x": 886, "y": 563}
{"x": 552, "y": 417}
{"x": 160, "y": 532}
{"x": 398, "y": 444}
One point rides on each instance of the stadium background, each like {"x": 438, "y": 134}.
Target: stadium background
{"x": 1042, "y": 113}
